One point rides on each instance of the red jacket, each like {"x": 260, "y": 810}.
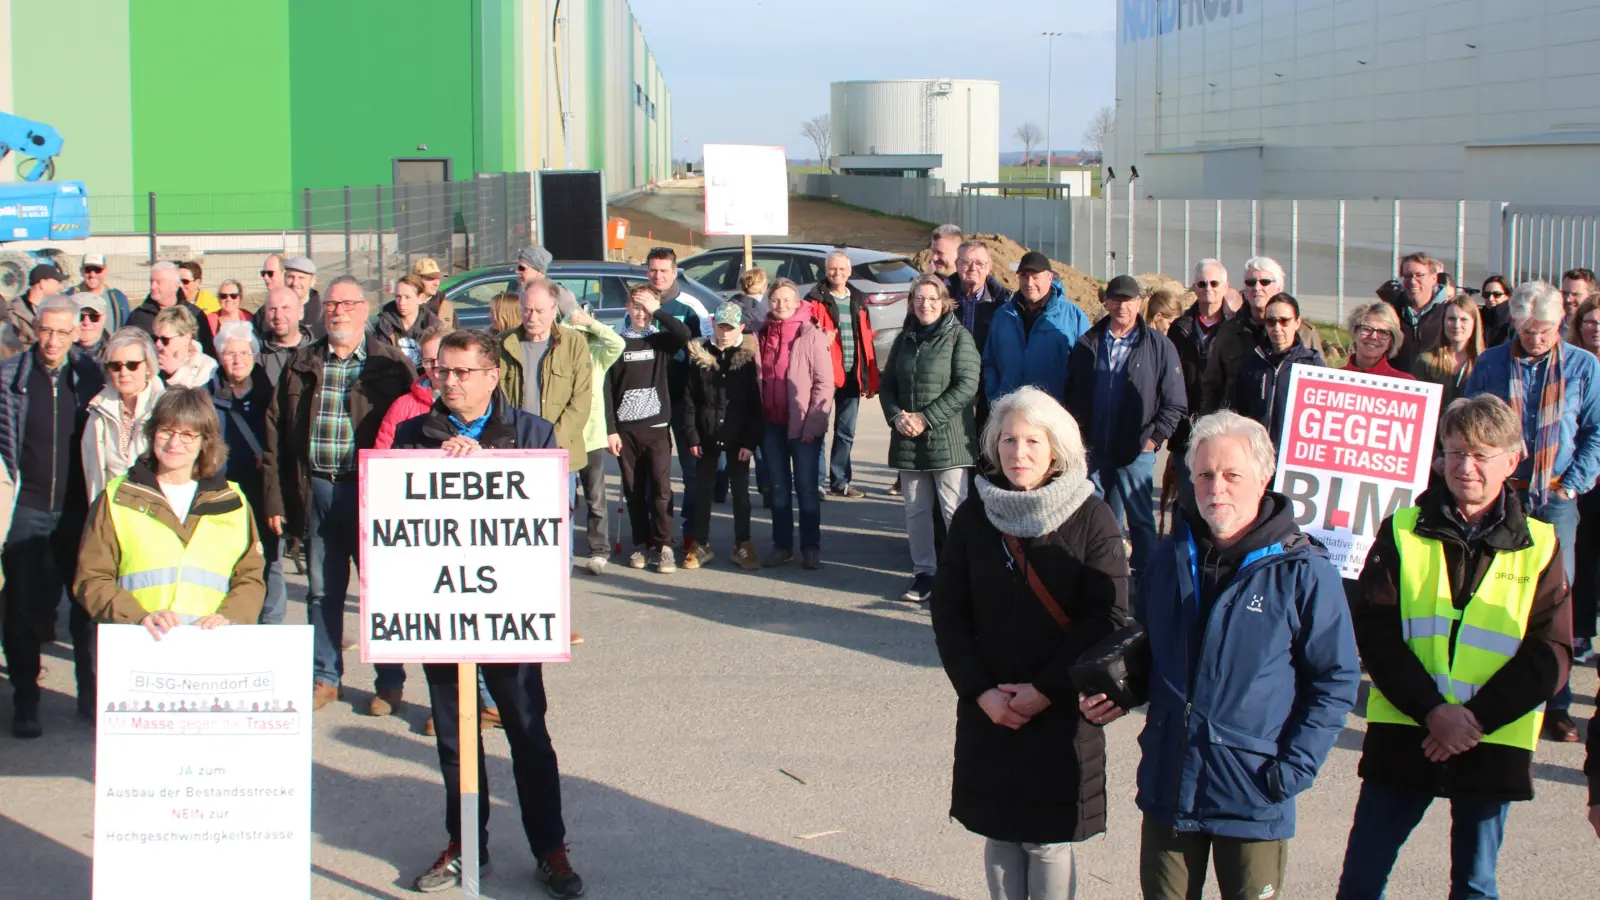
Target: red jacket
{"x": 415, "y": 403}
{"x": 826, "y": 314}
{"x": 1382, "y": 368}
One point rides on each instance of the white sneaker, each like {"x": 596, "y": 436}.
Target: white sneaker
{"x": 637, "y": 560}
{"x": 596, "y": 564}
{"x": 667, "y": 563}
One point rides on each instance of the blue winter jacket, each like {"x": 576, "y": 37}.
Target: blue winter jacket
{"x": 1014, "y": 357}
{"x": 1230, "y": 738}
{"x": 1578, "y": 457}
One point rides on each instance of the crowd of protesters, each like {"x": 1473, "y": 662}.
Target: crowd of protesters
{"x": 1025, "y": 440}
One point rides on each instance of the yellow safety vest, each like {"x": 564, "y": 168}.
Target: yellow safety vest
{"x": 1492, "y": 624}
{"x": 161, "y": 572}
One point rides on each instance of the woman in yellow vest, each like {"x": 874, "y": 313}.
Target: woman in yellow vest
{"x": 1464, "y": 622}
{"x": 172, "y": 542}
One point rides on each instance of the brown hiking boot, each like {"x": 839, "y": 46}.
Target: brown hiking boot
{"x": 385, "y": 702}
{"x": 323, "y": 694}
{"x": 745, "y": 556}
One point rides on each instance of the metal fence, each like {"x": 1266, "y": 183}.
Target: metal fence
{"x": 374, "y": 232}
{"x": 1335, "y": 253}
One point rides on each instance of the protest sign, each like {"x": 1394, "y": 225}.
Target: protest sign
{"x": 203, "y": 763}
{"x": 747, "y": 190}
{"x": 1355, "y": 448}
{"x": 465, "y": 559}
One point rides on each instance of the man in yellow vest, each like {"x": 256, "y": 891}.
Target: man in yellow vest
{"x": 1464, "y": 623}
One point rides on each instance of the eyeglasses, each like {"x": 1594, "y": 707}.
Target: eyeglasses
{"x": 444, "y": 373}
{"x": 62, "y": 333}
{"x": 1459, "y": 457}
{"x": 93, "y": 270}
{"x": 428, "y": 363}
{"x": 1256, "y": 282}
{"x": 523, "y": 268}
{"x": 1367, "y": 331}
{"x": 164, "y": 340}
{"x": 186, "y": 438}
{"x": 117, "y": 365}
{"x": 228, "y": 295}
{"x": 1281, "y": 321}
{"x": 1212, "y": 284}
{"x": 335, "y": 305}
{"x": 1493, "y": 294}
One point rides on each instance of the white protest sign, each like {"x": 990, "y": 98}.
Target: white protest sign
{"x": 747, "y": 190}
{"x": 1355, "y": 448}
{"x": 202, "y": 765}
{"x": 465, "y": 559}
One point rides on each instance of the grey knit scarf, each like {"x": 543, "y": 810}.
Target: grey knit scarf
{"x": 1029, "y": 514}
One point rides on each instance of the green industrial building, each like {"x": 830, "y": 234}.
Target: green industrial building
{"x": 228, "y": 109}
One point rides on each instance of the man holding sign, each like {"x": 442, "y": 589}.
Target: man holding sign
{"x": 469, "y": 417}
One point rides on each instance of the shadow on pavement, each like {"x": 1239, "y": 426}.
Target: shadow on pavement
{"x": 54, "y": 870}
{"x": 624, "y": 846}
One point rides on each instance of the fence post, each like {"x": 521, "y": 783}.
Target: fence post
{"x": 347, "y": 264}
{"x": 1394, "y": 244}
{"x": 1218, "y": 253}
{"x": 306, "y": 206}
{"x": 1461, "y": 239}
{"x": 1253, "y": 229}
{"x": 1341, "y": 260}
{"x": 505, "y": 208}
{"x": 1186, "y": 239}
{"x": 1158, "y": 235}
{"x": 152, "y": 228}
{"x": 1111, "y": 255}
{"x": 1294, "y": 247}
{"x": 1132, "y": 227}
{"x": 377, "y": 230}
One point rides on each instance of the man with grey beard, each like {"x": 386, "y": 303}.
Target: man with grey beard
{"x": 328, "y": 404}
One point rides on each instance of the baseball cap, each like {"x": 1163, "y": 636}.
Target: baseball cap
{"x": 95, "y": 302}
{"x": 43, "y": 271}
{"x": 426, "y": 268}
{"x": 1123, "y": 287}
{"x": 729, "y": 314}
{"x": 536, "y": 258}
{"x": 300, "y": 264}
{"x": 94, "y": 259}
{"x": 1034, "y": 261}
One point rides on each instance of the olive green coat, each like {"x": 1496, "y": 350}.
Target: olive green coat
{"x": 566, "y": 396}
{"x": 938, "y": 377}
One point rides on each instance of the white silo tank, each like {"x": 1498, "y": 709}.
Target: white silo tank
{"x": 956, "y": 118}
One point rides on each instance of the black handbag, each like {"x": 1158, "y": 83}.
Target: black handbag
{"x": 1117, "y": 666}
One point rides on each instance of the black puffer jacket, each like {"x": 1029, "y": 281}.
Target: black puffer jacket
{"x": 722, "y": 403}
{"x": 1044, "y": 782}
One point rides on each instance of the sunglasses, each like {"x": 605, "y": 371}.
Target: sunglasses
{"x": 1211, "y": 284}
{"x": 268, "y": 273}
{"x": 163, "y": 341}
{"x": 1493, "y": 294}
{"x": 93, "y": 270}
{"x": 186, "y": 281}
{"x": 228, "y": 295}
{"x": 130, "y": 366}
{"x": 1255, "y": 282}
{"x": 1281, "y": 322}
{"x": 88, "y": 315}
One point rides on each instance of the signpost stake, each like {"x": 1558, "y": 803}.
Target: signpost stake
{"x": 467, "y": 722}
{"x": 749, "y": 253}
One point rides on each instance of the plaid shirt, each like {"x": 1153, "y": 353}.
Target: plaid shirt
{"x": 333, "y": 435}
{"x": 847, "y": 328}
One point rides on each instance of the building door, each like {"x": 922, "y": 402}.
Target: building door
{"x": 424, "y": 211}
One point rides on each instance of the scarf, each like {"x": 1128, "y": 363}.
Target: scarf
{"x": 632, "y": 332}
{"x": 1547, "y": 438}
{"x": 777, "y": 339}
{"x": 1030, "y": 514}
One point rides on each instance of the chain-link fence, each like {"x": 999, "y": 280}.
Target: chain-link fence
{"x": 374, "y": 233}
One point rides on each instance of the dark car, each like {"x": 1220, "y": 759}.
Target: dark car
{"x": 884, "y": 277}
{"x": 600, "y": 286}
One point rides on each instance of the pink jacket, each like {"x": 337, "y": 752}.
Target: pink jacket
{"x": 412, "y": 404}
{"x": 809, "y": 381}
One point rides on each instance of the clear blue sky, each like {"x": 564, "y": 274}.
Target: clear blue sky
{"x": 751, "y": 71}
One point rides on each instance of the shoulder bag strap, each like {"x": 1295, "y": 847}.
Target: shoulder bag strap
{"x": 1018, "y": 557}
{"x": 244, "y": 427}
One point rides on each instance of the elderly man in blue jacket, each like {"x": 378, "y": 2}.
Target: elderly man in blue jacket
{"x": 1554, "y": 388}
{"x": 1032, "y": 336}
{"x": 1254, "y": 667}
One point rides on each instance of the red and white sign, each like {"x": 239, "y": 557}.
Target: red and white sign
{"x": 1355, "y": 448}
{"x": 747, "y": 190}
{"x": 465, "y": 559}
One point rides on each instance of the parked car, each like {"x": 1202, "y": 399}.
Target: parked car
{"x": 601, "y": 286}
{"x": 884, "y": 277}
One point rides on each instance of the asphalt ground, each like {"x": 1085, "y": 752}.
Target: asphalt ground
{"x": 727, "y": 734}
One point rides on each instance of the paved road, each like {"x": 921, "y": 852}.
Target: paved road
{"x": 676, "y": 723}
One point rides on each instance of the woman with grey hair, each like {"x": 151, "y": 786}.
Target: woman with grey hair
{"x": 1377, "y": 336}
{"x": 177, "y": 350}
{"x": 114, "y": 436}
{"x": 241, "y": 393}
{"x": 1554, "y": 389}
{"x": 1033, "y": 574}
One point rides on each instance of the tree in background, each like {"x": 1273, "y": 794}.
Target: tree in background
{"x": 1030, "y": 136}
{"x": 818, "y": 132}
{"x": 1099, "y": 130}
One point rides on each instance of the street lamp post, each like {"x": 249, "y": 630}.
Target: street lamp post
{"x": 1049, "y": 89}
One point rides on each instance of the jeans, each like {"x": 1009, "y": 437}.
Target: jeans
{"x": 646, "y": 463}
{"x": 1127, "y": 492}
{"x": 846, "y": 402}
{"x": 331, "y": 543}
{"x": 517, "y": 690}
{"x": 943, "y": 489}
{"x": 40, "y": 558}
{"x": 1562, "y": 515}
{"x": 1385, "y": 817}
{"x": 593, "y": 477}
{"x": 276, "y": 601}
{"x": 793, "y": 469}
{"x": 738, "y": 472}
{"x": 1030, "y": 871}
{"x": 686, "y": 469}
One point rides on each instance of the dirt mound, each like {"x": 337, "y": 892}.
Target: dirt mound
{"x": 1151, "y": 282}
{"x": 1006, "y": 253}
